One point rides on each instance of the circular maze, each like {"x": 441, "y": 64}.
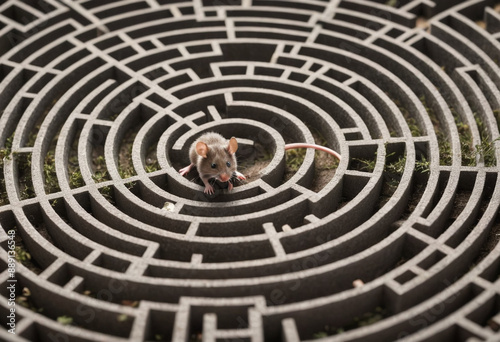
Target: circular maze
{"x": 100, "y": 101}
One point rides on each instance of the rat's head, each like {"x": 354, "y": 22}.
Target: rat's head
{"x": 217, "y": 161}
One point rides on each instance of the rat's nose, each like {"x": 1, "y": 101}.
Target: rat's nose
{"x": 224, "y": 177}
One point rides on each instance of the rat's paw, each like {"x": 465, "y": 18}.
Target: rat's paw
{"x": 229, "y": 186}
{"x": 185, "y": 170}
{"x": 239, "y": 175}
{"x": 209, "y": 189}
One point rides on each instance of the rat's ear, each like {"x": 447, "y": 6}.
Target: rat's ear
{"x": 201, "y": 149}
{"x": 233, "y": 146}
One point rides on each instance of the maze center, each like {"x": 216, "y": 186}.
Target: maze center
{"x": 103, "y": 240}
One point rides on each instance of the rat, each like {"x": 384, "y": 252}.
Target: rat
{"x": 214, "y": 157}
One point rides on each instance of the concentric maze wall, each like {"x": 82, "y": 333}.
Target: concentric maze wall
{"x": 100, "y": 101}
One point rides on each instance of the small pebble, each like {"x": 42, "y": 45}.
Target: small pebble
{"x": 168, "y": 206}
{"x": 358, "y": 283}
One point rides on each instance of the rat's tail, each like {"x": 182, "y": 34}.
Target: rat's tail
{"x": 317, "y": 147}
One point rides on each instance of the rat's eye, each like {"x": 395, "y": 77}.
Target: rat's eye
{"x": 213, "y": 165}
{"x": 228, "y": 164}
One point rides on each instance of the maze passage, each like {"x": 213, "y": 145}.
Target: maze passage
{"x": 103, "y": 240}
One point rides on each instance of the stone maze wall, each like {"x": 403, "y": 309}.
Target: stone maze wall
{"x": 100, "y": 101}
